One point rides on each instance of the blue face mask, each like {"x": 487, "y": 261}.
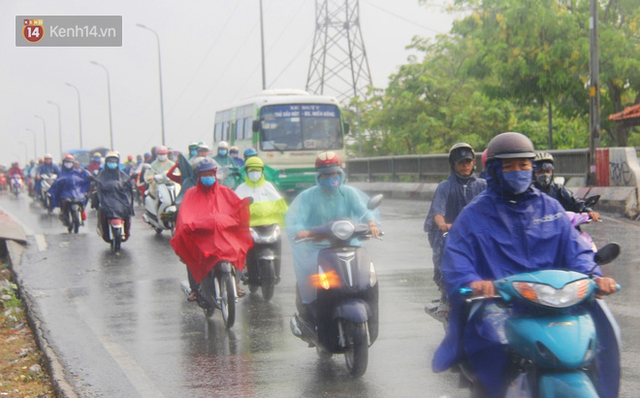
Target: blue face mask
{"x": 330, "y": 184}
{"x": 193, "y": 153}
{"x": 517, "y": 181}
{"x": 223, "y": 153}
{"x": 112, "y": 165}
{"x": 208, "y": 181}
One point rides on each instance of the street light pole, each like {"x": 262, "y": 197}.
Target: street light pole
{"x": 26, "y": 152}
{"x": 160, "y": 77}
{"x": 109, "y": 98}
{"x": 59, "y": 126}
{"x": 79, "y": 112}
{"x": 44, "y": 131}
{"x": 35, "y": 148}
{"x": 264, "y": 79}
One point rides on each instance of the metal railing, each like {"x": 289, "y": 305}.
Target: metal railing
{"x": 568, "y": 163}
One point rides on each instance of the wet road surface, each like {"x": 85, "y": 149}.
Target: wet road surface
{"x": 122, "y": 327}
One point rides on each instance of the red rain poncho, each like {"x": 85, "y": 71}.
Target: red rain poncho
{"x": 212, "y": 225}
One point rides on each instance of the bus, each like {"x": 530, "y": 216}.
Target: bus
{"x": 288, "y": 129}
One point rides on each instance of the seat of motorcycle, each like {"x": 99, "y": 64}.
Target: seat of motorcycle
{"x": 265, "y": 229}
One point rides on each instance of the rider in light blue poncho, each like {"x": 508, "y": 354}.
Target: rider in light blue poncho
{"x": 329, "y": 199}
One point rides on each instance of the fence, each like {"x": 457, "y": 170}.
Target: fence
{"x": 568, "y": 163}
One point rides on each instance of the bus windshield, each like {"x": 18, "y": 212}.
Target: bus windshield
{"x": 300, "y": 127}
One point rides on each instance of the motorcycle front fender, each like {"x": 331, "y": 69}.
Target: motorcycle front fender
{"x": 225, "y": 266}
{"x": 571, "y": 384}
{"x": 353, "y": 310}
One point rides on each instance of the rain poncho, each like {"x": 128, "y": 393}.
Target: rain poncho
{"x": 188, "y": 178}
{"x": 45, "y": 169}
{"x": 312, "y": 208}
{"x": 212, "y": 225}
{"x": 565, "y": 197}
{"x": 157, "y": 167}
{"x": 115, "y": 195}
{"x": 450, "y": 198}
{"x": 495, "y": 236}
{"x": 70, "y": 184}
{"x": 228, "y": 163}
{"x": 270, "y": 174}
{"x": 268, "y": 206}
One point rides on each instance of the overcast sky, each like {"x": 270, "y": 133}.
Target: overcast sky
{"x": 210, "y": 59}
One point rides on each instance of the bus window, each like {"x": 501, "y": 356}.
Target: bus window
{"x": 239, "y": 129}
{"x": 217, "y": 132}
{"x": 247, "y": 128}
{"x": 301, "y": 127}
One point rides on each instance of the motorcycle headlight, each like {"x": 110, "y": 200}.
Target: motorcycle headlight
{"x": 343, "y": 229}
{"x": 570, "y": 294}
{"x": 271, "y": 238}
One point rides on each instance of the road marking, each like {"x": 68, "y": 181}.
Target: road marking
{"x": 127, "y": 363}
{"x": 41, "y": 242}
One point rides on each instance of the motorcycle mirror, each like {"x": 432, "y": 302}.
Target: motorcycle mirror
{"x": 375, "y": 202}
{"x": 607, "y": 253}
{"x": 592, "y": 201}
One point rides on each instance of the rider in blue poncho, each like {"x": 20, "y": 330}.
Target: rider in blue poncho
{"x": 316, "y": 206}
{"x": 70, "y": 184}
{"x": 508, "y": 229}
{"x": 451, "y": 196}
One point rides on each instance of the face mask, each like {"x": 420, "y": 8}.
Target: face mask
{"x": 162, "y": 158}
{"x": 112, "y": 165}
{"x": 517, "y": 181}
{"x": 193, "y": 153}
{"x": 96, "y": 159}
{"x": 68, "y": 165}
{"x": 254, "y": 175}
{"x": 331, "y": 183}
{"x": 223, "y": 153}
{"x": 207, "y": 181}
{"x": 544, "y": 180}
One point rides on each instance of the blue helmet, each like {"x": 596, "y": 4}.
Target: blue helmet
{"x": 250, "y": 152}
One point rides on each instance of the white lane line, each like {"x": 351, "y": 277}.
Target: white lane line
{"x": 41, "y": 242}
{"x": 129, "y": 366}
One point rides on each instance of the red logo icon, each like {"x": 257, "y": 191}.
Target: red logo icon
{"x": 33, "y": 30}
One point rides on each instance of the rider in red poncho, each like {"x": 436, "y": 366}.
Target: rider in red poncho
{"x": 212, "y": 225}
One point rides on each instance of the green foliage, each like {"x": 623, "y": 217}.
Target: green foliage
{"x": 498, "y": 70}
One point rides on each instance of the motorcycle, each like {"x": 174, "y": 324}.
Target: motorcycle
{"x": 115, "y": 230}
{"x": 45, "y": 184}
{"x": 71, "y": 214}
{"x": 16, "y": 184}
{"x": 263, "y": 260}
{"x": 161, "y": 212}
{"x": 552, "y": 336}
{"x": 218, "y": 290}
{"x": 347, "y": 299}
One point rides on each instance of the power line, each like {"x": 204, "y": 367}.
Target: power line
{"x": 401, "y": 17}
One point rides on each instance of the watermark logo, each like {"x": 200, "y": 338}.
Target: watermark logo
{"x": 69, "y": 31}
{"x": 33, "y": 30}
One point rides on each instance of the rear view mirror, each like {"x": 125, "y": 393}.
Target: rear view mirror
{"x": 346, "y": 128}
{"x": 375, "y": 202}
{"x": 255, "y": 127}
{"x": 592, "y": 201}
{"x": 607, "y": 253}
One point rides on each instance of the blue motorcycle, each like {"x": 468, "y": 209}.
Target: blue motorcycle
{"x": 550, "y": 331}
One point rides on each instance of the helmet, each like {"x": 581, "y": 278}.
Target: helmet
{"x": 484, "y": 158}
{"x": 233, "y": 149}
{"x": 112, "y": 155}
{"x": 193, "y": 145}
{"x": 207, "y": 164}
{"x": 97, "y": 155}
{"x": 459, "y": 152}
{"x": 162, "y": 150}
{"x": 68, "y": 157}
{"x": 130, "y": 157}
{"x": 327, "y": 163}
{"x": 250, "y": 152}
{"x": 48, "y": 156}
{"x": 254, "y": 163}
{"x": 223, "y": 144}
{"x": 543, "y": 161}
{"x": 510, "y": 146}
{"x": 203, "y": 147}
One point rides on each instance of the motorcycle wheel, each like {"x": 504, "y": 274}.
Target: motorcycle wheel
{"x": 357, "y": 353}
{"x": 173, "y": 228}
{"x": 253, "y": 288}
{"x": 268, "y": 280}
{"x": 228, "y": 304}
{"x": 116, "y": 241}
{"x": 76, "y": 216}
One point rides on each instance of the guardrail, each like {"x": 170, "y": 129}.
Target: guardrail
{"x": 568, "y": 163}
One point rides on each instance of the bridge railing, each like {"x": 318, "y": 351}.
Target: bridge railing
{"x": 568, "y": 163}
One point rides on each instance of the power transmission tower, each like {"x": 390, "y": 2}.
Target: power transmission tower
{"x": 339, "y": 65}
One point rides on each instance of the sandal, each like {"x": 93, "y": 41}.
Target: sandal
{"x": 193, "y": 296}
{"x": 240, "y": 292}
